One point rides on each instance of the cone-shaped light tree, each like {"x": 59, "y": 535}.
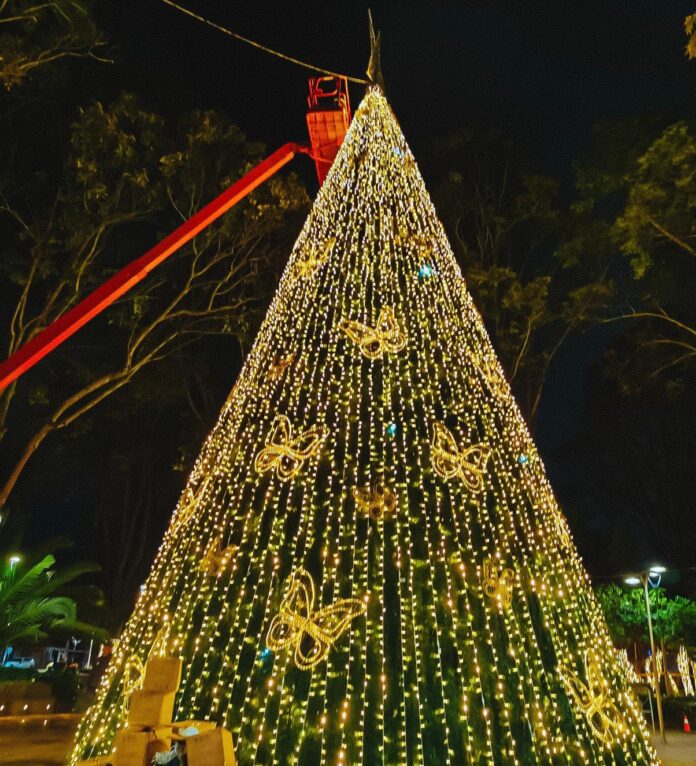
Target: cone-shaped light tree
{"x": 368, "y": 565}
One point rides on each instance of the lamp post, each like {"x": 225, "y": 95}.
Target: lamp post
{"x": 643, "y": 578}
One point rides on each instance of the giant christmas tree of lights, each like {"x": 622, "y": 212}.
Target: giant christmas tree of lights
{"x": 368, "y": 565}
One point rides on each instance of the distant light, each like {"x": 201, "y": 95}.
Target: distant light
{"x": 523, "y": 459}
{"x": 426, "y": 271}
{"x": 657, "y": 569}
{"x": 391, "y": 429}
{"x": 14, "y": 560}
{"x": 142, "y": 589}
{"x": 632, "y": 580}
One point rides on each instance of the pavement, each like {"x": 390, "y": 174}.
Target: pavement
{"x": 680, "y": 749}
{"x": 36, "y": 745}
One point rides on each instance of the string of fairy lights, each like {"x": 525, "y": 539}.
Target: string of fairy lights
{"x": 368, "y": 564}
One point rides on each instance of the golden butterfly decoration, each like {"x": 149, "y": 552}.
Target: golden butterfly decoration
{"x": 594, "y": 698}
{"x": 312, "y": 632}
{"x": 133, "y": 675}
{"x": 374, "y": 342}
{"x": 285, "y": 453}
{"x": 217, "y": 559}
{"x": 310, "y": 260}
{"x": 492, "y": 375}
{"x": 134, "y": 667}
{"x": 498, "y": 583}
{"x": 449, "y": 461}
{"x": 279, "y": 365}
{"x": 189, "y": 503}
{"x": 404, "y": 236}
{"x": 376, "y": 501}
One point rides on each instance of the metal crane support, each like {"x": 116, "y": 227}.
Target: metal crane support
{"x": 70, "y": 322}
{"x": 327, "y": 120}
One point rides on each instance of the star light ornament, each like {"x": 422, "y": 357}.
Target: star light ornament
{"x": 311, "y": 632}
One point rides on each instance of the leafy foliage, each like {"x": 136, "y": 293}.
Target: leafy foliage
{"x": 690, "y": 29}
{"x": 635, "y": 202}
{"x": 674, "y": 619}
{"x": 36, "y": 33}
{"x": 32, "y": 604}
{"x": 533, "y": 289}
{"x": 128, "y": 179}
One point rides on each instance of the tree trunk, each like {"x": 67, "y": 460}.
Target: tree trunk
{"x": 16, "y": 472}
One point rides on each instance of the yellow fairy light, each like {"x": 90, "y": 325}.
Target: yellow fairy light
{"x": 217, "y": 559}
{"x": 188, "y": 505}
{"x": 594, "y": 699}
{"x": 285, "y": 453}
{"x": 133, "y": 676}
{"x": 497, "y": 582}
{"x": 492, "y": 374}
{"x": 684, "y": 665}
{"x": 627, "y": 667}
{"x": 279, "y": 365}
{"x": 374, "y": 342}
{"x": 311, "y": 632}
{"x": 449, "y": 460}
{"x": 159, "y": 647}
{"x": 376, "y": 501}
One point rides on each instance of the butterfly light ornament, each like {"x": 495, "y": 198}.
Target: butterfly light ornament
{"x": 134, "y": 668}
{"x": 285, "y": 453}
{"x": 310, "y": 260}
{"x": 594, "y": 698}
{"x": 133, "y": 677}
{"x": 376, "y": 501}
{"x": 449, "y": 460}
{"x": 374, "y": 342}
{"x": 279, "y": 365}
{"x": 311, "y": 632}
{"x": 189, "y": 503}
{"x": 217, "y": 559}
{"x": 494, "y": 378}
{"x": 497, "y": 582}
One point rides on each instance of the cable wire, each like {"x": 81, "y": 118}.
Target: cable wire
{"x": 243, "y": 39}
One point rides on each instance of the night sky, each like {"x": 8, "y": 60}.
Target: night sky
{"x": 537, "y": 70}
{"x": 540, "y": 73}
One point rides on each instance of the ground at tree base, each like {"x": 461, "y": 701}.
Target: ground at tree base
{"x": 49, "y": 747}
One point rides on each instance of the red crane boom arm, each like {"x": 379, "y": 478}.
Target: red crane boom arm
{"x": 70, "y": 322}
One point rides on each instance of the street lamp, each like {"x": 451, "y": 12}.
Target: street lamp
{"x": 653, "y": 577}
